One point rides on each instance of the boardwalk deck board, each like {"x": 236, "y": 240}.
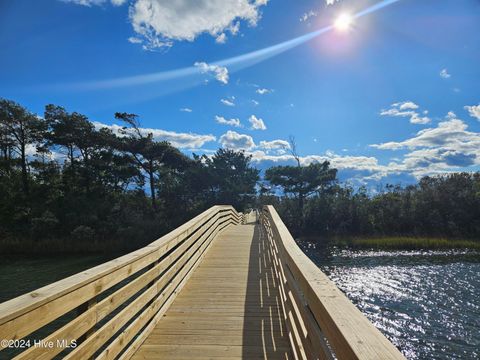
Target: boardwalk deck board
{"x": 230, "y": 307}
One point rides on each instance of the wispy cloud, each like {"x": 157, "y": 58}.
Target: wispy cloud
{"x": 231, "y": 122}
{"x": 256, "y": 123}
{"x": 95, "y": 2}
{"x": 221, "y": 39}
{"x": 444, "y": 74}
{"x": 229, "y": 101}
{"x": 219, "y": 72}
{"x": 407, "y": 109}
{"x": 308, "y": 15}
{"x": 186, "y": 109}
{"x": 474, "y": 111}
{"x": 275, "y": 145}
{"x": 263, "y": 91}
{"x": 180, "y": 140}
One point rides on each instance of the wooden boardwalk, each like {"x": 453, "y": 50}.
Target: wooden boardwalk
{"x": 230, "y": 308}
{"x": 219, "y": 286}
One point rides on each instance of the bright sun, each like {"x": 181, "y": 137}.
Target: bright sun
{"x": 343, "y": 22}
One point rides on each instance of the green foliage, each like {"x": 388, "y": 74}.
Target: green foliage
{"x": 443, "y": 206}
{"x": 406, "y": 243}
{"x": 302, "y": 182}
{"x": 66, "y": 185}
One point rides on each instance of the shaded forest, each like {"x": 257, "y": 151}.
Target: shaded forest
{"x": 67, "y": 185}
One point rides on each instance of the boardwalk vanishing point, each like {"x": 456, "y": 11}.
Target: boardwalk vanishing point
{"x": 224, "y": 285}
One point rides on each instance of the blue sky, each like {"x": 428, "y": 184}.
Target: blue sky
{"x": 394, "y": 97}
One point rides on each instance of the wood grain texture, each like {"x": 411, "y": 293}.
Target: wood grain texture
{"x": 228, "y": 309}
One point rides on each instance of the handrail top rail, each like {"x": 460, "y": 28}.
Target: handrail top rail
{"x": 22, "y": 304}
{"x": 337, "y": 316}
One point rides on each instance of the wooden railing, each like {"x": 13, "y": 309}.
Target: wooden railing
{"x": 106, "y": 312}
{"x": 322, "y": 322}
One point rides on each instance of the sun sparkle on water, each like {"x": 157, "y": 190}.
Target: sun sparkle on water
{"x": 343, "y": 22}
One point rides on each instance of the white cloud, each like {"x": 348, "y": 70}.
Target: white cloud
{"x": 228, "y": 102}
{"x": 96, "y": 2}
{"x": 263, "y": 91}
{"x": 422, "y": 120}
{"x": 446, "y": 133}
{"x": 134, "y": 40}
{"x": 186, "y": 109}
{"x": 221, "y": 39}
{"x": 308, "y": 15}
{"x": 406, "y": 109}
{"x": 220, "y": 72}
{"x": 444, "y": 74}
{"x": 407, "y": 105}
{"x": 257, "y": 123}
{"x": 331, "y": 2}
{"x": 449, "y": 145}
{"x": 274, "y": 144}
{"x": 255, "y": 102}
{"x": 161, "y": 22}
{"x": 236, "y": 141}
{"x": 230, "y": 122}
{"x": 474, "y": 111}
{"x": 180, "y": 140}
{"x": 277, "y": 146}
{"x": 451, "y": 115}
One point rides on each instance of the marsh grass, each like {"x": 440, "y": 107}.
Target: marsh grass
{"x": 405, "y": 243}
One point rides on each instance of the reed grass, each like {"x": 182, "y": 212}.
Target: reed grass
{"x": 406, "y": 243}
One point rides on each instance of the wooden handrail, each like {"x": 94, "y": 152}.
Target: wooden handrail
{"x": 322, "y": 322}
{"x": 116, "y": 303}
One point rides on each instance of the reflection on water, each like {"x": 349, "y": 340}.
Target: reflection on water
{"x": 426, "y": 302}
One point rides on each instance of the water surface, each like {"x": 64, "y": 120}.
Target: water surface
{"x": 426, "y": 302}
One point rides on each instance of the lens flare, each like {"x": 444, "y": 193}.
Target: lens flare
{"x": 343, "y": 22}
{"x": 234, "y": 64}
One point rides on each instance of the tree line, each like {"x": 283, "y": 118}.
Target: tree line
{"x": 64, "y": 179}
{"x": 441, "y": 206}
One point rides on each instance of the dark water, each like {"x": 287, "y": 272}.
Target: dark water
{"x": 426, "y": 302}
{"x": 19, "y": 275}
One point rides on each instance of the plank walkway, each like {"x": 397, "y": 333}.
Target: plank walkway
{"x": 230, "y": 308}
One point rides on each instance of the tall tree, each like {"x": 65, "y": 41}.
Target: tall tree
{"x": 20, "y": 131}
{"x": 302, "y": 181}
{"x": 150, "y": 155}
{"x": 232, "y": 178}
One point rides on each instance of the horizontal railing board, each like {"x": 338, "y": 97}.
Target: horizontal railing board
{"x": 348, "y": 331}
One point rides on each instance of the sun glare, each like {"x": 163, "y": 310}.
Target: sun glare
{"x": 343, "y": 22}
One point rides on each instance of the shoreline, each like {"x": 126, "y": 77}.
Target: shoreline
{"x": 395, "y": 242}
